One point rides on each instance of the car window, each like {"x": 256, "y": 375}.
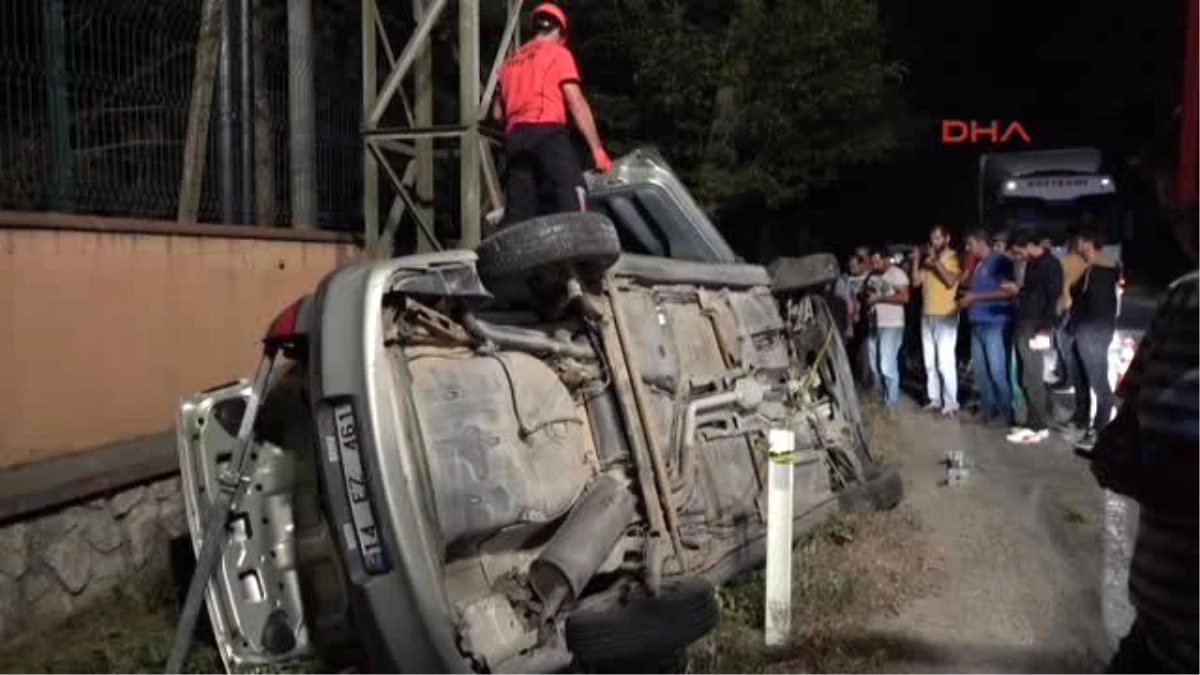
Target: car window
{"x": 649, "y": 222}
{"x": 636, "y": 234}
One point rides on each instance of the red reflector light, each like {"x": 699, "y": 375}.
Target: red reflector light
{"x": 284, "y": 325}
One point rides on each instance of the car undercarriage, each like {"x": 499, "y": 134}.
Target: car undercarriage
{"x": 542, "y": 456}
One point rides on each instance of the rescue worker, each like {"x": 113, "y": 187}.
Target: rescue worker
{"x": 538, "y": 85}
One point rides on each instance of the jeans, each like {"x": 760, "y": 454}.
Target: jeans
{"x": 939, "y": 337}
{"x": 1064, "y": 347}
{"x": 884, "y": 349}
{"x": 1033, "y": 365}
{"x": 1090, "y": 361}
{"x": 989, "y": 362}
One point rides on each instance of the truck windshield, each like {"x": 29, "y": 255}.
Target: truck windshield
{"x": 1058, "y": 218}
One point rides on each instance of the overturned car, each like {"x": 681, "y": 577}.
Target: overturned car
{"x": 539, "y": 455}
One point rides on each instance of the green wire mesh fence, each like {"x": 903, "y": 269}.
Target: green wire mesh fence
{"x": 94, "y": 101}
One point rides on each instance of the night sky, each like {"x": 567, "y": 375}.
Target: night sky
{"x": 1099, "y": 73}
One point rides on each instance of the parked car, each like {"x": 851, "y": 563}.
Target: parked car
{"x": 543, "y": 454}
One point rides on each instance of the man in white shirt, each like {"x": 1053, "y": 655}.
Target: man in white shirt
{"x": 886, "y": 295}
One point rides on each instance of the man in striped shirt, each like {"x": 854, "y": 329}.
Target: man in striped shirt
{"x": 1149, "y": 453}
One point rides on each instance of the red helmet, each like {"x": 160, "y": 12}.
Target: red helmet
{"x": 548, "y": 11}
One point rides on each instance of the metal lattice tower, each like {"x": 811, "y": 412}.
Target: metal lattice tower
{"x": 406, "y": 153}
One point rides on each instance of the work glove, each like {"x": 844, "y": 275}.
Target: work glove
{"x": 601, "y": 159}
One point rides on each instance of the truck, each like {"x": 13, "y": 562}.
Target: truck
{"x": 542, "y": 454}
{"x": 1051, "y": 191}
{"x": 1054, "y": 192}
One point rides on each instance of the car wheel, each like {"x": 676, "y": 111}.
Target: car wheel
{"x": 810, "y": 271}
{"x": 585, "y": 241}
{"x": 644, "y": 627}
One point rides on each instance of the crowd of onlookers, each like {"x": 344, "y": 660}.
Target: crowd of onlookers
{"x": 1013, "y": 300}
{"x": 1017, "y": 301}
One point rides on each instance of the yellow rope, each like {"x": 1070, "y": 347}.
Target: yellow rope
{"x": 810, "y": 377}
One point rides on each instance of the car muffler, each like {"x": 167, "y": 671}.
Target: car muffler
{"x": 607, "y": 433}
{"x": 581, "y": 544}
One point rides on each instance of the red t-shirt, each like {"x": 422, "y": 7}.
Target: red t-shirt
{"x": 531, "y": 83}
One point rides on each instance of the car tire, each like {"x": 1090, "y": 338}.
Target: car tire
{"x": 645, "y": 627}
{"x": 810, "y": 271}
{"x": 587, "y": 241}
{"x": 881, "y": 490}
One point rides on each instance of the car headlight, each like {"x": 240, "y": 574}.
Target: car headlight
{"x": 1010, "y": 186}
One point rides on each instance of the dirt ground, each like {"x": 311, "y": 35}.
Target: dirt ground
{"x": 1019, "y": 569}
{"x": 1034, "y": 553}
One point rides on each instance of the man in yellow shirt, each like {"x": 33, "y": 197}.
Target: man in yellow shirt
{"x": 1073, "y": 266}
{"x": 936, "y": 272}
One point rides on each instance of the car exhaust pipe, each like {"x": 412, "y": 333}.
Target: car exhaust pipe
{"x": 582, "y": 543}
{"x": 607, "y": 433}
{"x": 525, "y": 340}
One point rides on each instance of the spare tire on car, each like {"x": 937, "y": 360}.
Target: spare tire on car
{"x": 644, "y": 627}
{"x": 584, "y": 241}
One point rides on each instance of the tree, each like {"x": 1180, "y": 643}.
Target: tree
{"x": 755, "y": 101}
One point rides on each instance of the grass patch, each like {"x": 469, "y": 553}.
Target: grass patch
{"x": 130, "y": 632}
{"x": 857, "y": 566}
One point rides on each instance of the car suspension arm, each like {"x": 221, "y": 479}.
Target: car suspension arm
{"x": 661, "y": 479}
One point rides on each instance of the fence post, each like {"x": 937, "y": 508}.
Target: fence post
{"x": 227, "y": 102}
{"x": 246, "y": 116}
{"x": 207, "y": 46}
{"x": 301, "y": 115}
{"x": 264, "y": 150}
{"x": 62, "y": 181}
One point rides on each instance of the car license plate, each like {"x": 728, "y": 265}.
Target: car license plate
{"x": 366, "y": 531}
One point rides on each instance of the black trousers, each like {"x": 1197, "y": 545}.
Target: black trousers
{"x": 542, "y": 173}
{"x": 1064, "y": 346}
{"x": 1033, "y": 363}
{"x": 1090, "y": 371}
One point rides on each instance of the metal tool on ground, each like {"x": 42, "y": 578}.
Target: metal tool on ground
{"x": 233, "y": 478}
{"x": 957, "y": 471}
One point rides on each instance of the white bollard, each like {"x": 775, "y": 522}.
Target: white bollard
{"x": 779, "y": 537}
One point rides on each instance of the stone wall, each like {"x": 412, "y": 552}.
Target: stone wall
{"x": 58, "y": 563}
